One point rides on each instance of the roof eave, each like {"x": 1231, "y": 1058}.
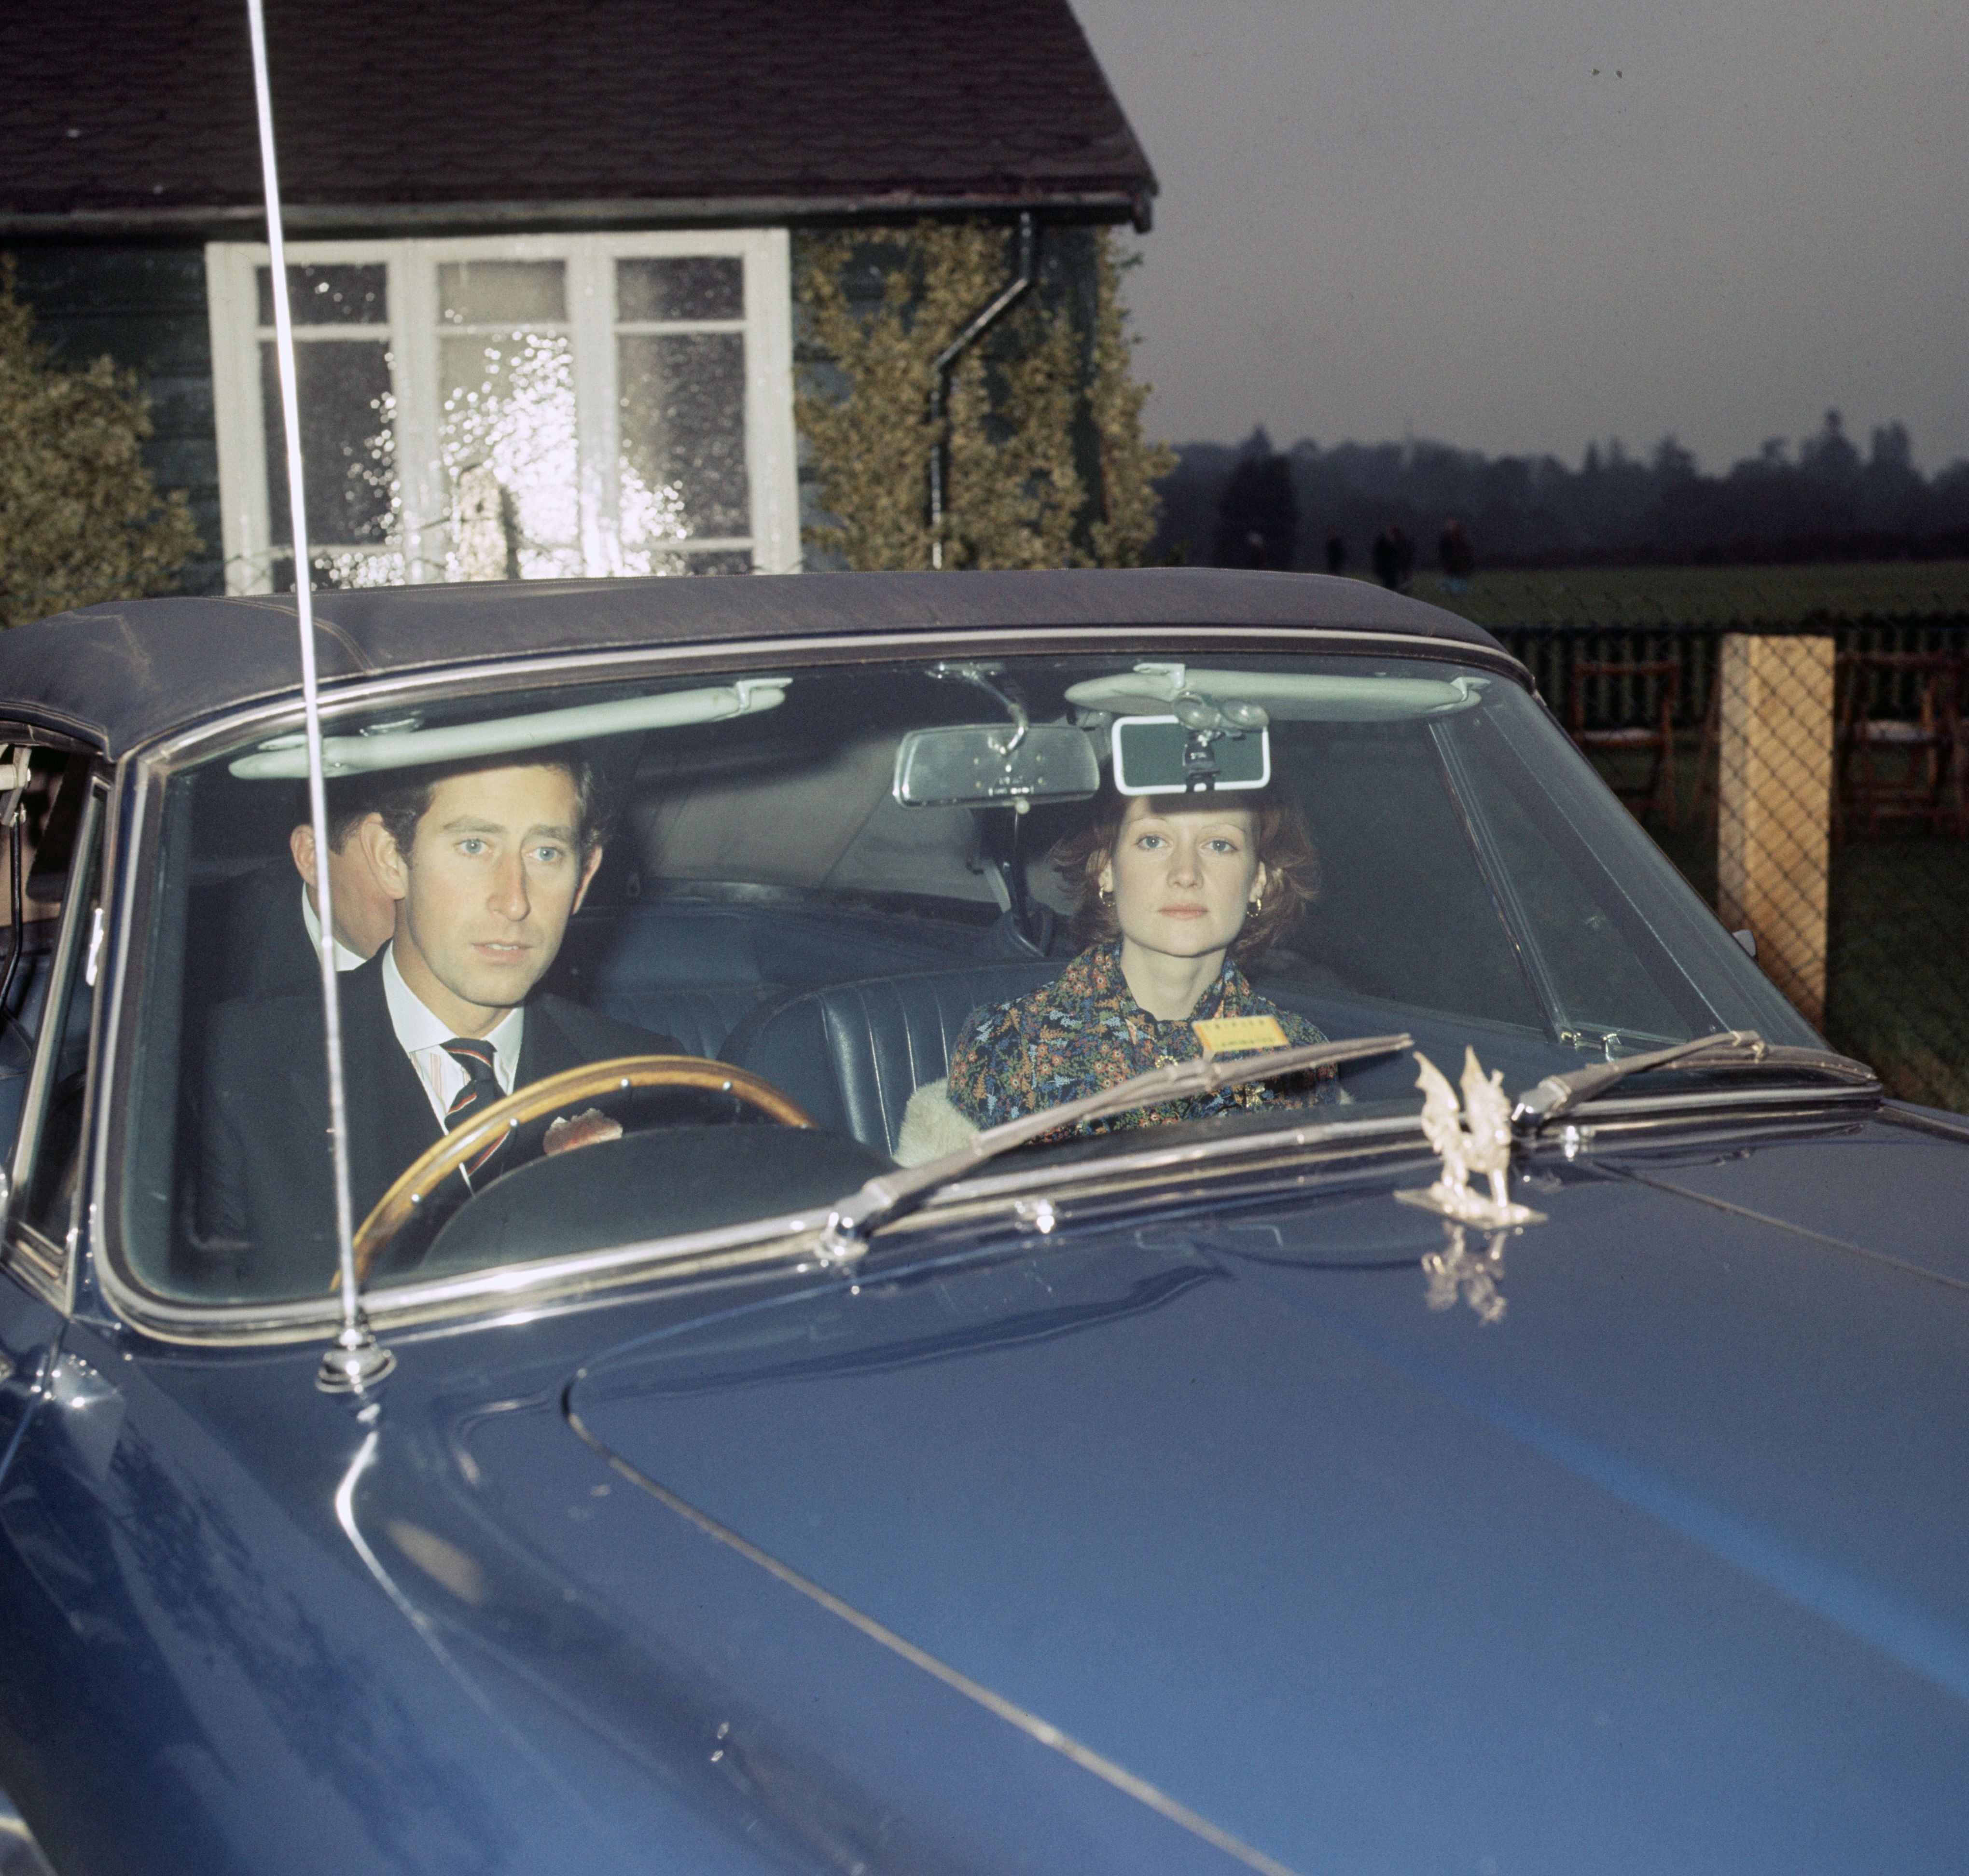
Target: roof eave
{"x": 242, "y": 220}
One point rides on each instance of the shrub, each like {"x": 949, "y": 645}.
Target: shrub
{"x": 80, "y": 519}
{"x": 1016, "y": 495}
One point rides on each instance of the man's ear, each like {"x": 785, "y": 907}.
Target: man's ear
{"x": 301, "y": 843}
{"x": 385, "y": 858}
{"x": 587, "y": 874}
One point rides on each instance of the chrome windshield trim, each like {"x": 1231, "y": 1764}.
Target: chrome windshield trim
{"x": 1801, "y": 1095}
{"x": 758, "y": 1240}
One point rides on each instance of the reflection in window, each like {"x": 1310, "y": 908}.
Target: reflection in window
{"x": 348, "y": 443}
{"x": 679, "y": 287}
{"x": 330, "y": 296}
{"x": 506, "y": 372}
{"x": 682, "y": 401}
{"x": 344, "y": 368}
{"x": 502, "y": 293}
{"x": 631, "y": 406}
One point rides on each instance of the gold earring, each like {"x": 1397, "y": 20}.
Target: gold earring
{"x": 1106, "y": 897}
{"x": 1255, "y": 907}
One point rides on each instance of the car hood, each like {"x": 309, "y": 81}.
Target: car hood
{"x": 1663, "y": 1566}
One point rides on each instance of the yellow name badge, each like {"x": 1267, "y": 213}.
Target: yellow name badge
{"x": 1220, "y": 1035}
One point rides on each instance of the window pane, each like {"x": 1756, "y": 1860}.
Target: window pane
{"x": 683, "y": 400}
{"x": 53, "y": 810}
{"x": 509, "y": 401}
{"x": 330, "y": 296}
{"x": 56, "y": 1159}
{"x": 502, "y": 293}
{"x": 689, "y": 286}
{"x": 347, "y": 441}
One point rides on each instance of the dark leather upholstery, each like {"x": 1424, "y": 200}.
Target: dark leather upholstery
{"x": 693, "y": 970}
{"x": 699, "y": 1015}
{"x": 852, "y": 1053}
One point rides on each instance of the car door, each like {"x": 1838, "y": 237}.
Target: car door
{"x": 59, "y": 1418}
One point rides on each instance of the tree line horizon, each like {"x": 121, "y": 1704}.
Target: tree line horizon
{"x": 1248, "y": 504}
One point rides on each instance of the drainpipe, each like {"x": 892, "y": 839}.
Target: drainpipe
{"x": 945, "y": 361}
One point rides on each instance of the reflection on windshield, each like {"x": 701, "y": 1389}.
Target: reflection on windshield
{"x": 1408, "y": 846}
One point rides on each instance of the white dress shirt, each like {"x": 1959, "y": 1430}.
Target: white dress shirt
{"x": 345, "y": 958}
{"x": 423, "y": 1037}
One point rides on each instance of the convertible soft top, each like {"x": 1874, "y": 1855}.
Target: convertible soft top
{"x": 122, "y": 673}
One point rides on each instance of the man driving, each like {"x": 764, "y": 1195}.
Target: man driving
{"x": 484, "y": 861}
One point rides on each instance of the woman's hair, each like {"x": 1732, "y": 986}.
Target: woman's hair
{"x": 1285, "y": 850}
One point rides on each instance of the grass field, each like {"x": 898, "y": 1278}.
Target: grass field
{"x": 1895, "y": 590}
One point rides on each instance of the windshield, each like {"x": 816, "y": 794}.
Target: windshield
{"x": 820, "y": 921}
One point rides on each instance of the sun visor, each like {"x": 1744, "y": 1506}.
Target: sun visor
{"x": 1293, "y": 696}
{"x": 403, "y": 746}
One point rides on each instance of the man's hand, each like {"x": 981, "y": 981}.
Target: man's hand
{"x": 583, "y": 1129}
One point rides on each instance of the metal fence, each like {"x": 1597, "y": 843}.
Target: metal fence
{"x": 1812, "y": 782}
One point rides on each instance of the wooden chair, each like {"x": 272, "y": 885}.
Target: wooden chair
{"x": 1893, "y": 765}
{"x": 1662, "y": 677}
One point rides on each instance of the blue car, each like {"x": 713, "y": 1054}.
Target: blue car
{"x": 1081, "y": 1222}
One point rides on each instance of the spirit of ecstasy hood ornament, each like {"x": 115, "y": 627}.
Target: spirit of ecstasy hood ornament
{"x": 1473, "y": 1138}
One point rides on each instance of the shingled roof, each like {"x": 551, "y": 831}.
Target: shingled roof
{"x": 133, "y": 115}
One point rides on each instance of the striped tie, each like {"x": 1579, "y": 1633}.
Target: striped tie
{"x": 481, "y": 1089}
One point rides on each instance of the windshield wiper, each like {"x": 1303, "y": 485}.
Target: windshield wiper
{"x": 1727, "y": 1048}
{"x": 889, "y": 1195}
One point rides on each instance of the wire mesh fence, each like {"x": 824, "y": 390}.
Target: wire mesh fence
{"x": 1812, "y": 781}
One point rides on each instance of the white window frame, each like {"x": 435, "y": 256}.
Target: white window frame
{"x": 414, "y": 332}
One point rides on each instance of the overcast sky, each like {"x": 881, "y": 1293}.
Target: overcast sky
{"x": 1520, "y": 225}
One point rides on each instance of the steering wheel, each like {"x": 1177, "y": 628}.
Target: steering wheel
{"x": 427, "y": 1173}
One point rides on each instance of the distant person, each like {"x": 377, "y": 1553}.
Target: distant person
{"x": 1404, "y": 558}
{"x": 1336, "y": 554}
{"x": 272, "y": 937}
{"x": 1385, "y": 558}
{"x": 1458, "y": 557}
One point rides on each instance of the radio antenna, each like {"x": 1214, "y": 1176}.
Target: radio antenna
{"x": 357, "y": 1360}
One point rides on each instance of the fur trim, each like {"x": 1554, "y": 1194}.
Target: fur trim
{"x": 930, "y": 1126}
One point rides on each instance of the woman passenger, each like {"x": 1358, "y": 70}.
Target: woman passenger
{"x": 1176, "y": 893}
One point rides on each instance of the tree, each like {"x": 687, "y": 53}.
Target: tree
{"x": 80, "y": 519}
{"x": 1257, "y": 520}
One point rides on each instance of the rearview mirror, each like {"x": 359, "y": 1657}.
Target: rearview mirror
{"x": 1162, "y": 755}
{"x": 974, "y": 765}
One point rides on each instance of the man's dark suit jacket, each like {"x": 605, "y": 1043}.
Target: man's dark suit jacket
{"x": 266, "y": 1197}
{"x": 266, "y": 948}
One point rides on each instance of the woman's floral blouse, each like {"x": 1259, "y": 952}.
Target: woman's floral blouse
{"x": 1085, "y": 1031}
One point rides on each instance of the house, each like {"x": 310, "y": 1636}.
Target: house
{"x": 555, "y": 241}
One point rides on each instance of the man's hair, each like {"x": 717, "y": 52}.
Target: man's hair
{"x": 1278, "y": 832}
{"x": 351, "y": 800}
{"x": 402, "y": 796}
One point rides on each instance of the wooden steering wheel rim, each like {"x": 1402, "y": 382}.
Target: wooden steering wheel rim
{"x": 438, "y": 1160}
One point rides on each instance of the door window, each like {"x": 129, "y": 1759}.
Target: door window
{"x": 48, "y": 1153}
